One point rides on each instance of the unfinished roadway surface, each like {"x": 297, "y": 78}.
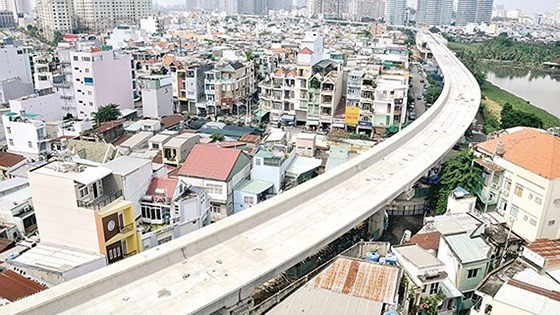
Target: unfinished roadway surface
{"x": 219, "y": 265}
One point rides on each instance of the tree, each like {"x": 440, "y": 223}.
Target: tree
{"x": 58, "y": 37}
{"x": 514, "y": 118}
{"x": 457, "y": 171}
{"x": 434, "y": 30}
{"x": 107, "y": 113}
{"x": 217, "y": 137}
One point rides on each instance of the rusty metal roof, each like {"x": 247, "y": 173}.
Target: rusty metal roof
{"x": 360, "y": 279}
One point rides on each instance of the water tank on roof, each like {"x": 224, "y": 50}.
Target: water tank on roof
{"x": 372, "y": 256}
{"x": 390, "y": 259}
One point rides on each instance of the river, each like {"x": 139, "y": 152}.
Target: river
{"x": 539, "y": 88}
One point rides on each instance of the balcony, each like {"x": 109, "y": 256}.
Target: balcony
{"x": 65, "y": 85}
{"x": 101, "y": 202}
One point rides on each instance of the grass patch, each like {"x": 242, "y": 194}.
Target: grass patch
{"x": 468, "y": 47}
{"x": 497, "y": 97}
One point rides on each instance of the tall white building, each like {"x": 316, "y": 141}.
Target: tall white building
{"x": 25, "y": 135}
{"x": 474, "y": 11}
{"x": 522, "y": 181}
{"x": 99, "y": 78}
{"x": 15, "y": 62}
{"x": 358, "y": 9}
{"x": 396, "y": 12}
{"x": 104, "y": 15}
{"x": 434, "y": 12}
{"x": 157, "y": 96}
{"x": 55, "y": 16}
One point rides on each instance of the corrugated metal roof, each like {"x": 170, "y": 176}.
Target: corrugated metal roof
{"x": 253, "y": 186}
{"x": 365, "y": 280}
{"x": 347, "y": 286}
{"x": 14, "y": 287}
{"x": 468, "y": 249}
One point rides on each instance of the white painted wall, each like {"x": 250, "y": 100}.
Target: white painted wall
{"x": 59, "y": 220}
{"x": 23, "y": 137}
{"x": 14, "y": 62}
{"x": 48, "y": 107}
{"x": 112, "y": 81}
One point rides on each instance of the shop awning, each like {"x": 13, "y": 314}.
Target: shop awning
{"x": 288, "y": 118}
{"x": 313, "y": 123}
{"x": 259, "y": 113}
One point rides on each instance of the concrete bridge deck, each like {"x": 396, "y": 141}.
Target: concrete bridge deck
{"x": 219, "y": 265}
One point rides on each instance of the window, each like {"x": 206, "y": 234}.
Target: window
{"x": 248, "y": 200}
{"x": 11, "y": 141}
{"x": 514, "y": 211}
{"x": 214, "y": 189}
{"x": 518, "y": 190}
{"x": 533, "y": 222}
{"x": 86, "y": 59}
{"x": 75, "y": 58}
{"x": 87, "y": 70}
{"x": 9, "y": 129}
{"x": 424, "y": 288}
{"x": 472, "y": 273}
{"x": 551, "y": 222}
{"x": 434, "y": 288}
{"x": 83, "y": 191}
{"x": 30, "y": 144}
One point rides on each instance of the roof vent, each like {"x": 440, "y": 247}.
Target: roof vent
{"x": 500, "y": 148}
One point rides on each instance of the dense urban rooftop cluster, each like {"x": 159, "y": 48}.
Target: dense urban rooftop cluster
{"x": 119, "y": 135}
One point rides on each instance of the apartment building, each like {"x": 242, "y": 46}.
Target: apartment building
{"x": 101, "y": 77}
{"x": 427, "y": 277}
{"x": 81, "y": 207}
{"x": 104, "y": 16}
{"x": 16, "y": 207}
{"x": 270, "y": 165}
{"x": 360, "y": 94}
{"x": 16, "y": 62}
{"x": 218, "y": 170}
{"x": 358, "y": 9}
{"x": 474, "y": 11}
{"x": 55, "y": 16}
{"x": 170, "y": 209}
{"x": 229, "y": 86}
{"x": 396, "y": 12}
{"x": 42, "y": 73}
{"x": 45, "y": 107}
{"x": 389, "y": 105}
{"x": 277, "y": 93}
{"x": 434, "y": 12}
{"x": 189, "y": 87}
{"x": 522, "y": 181}
{"x": 157, "y": 97}
{"x": 25, "y": 135}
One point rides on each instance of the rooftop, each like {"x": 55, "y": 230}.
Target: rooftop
{"x": 532, "y": 149}
{"x": 8, "y": 160}
{"x": 548, "y": 249}
{"x": 347, "y": 286}
{"x": 80, "y": 173}
{"x": 253, "y": 186}
{"x": 427, "y": 241}
{"x": 14, "y": 286}
{"x": 125, "y": 165}
{"x": 169, "y": 185}
{"x": 212, "y": 162}
{"x": 418, "y": 256}
{"x": 468, "y": 249}
{"x": 55, "y": 258}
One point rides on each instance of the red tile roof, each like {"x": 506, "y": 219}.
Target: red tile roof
{"x": 173, "y": 120}
{"x": 210, "y": 161}
{"x": 14, "y": 286}
{"x": 168, "y": 184}
{"x": 249, "y": 138}
{"x": 8, "y": 160}
{"x": 306, "y": 51}
{"x": 548, "y": 249}
{"x": 531, "y": 149}
{"x": 427, "y": 240}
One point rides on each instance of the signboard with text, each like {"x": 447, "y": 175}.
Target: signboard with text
{"x": 352, "y": 115}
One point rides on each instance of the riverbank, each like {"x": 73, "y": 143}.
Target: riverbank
{"x": 494, "y": 99}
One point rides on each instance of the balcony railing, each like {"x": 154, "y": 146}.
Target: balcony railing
{"x": 101, "y": 201}
{"x": 126, "y": 229}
